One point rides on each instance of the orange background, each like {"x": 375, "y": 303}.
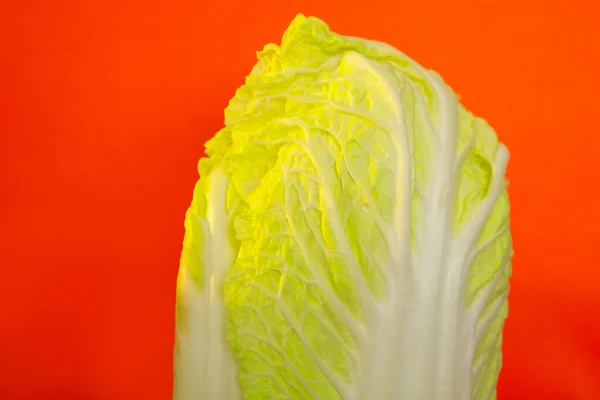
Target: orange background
{"x": 104, "y": 108}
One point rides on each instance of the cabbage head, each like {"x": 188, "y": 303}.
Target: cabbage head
{"x": 348, "y": 237}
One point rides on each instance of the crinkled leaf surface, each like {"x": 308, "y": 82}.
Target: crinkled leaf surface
{"x": 349, "y": 234}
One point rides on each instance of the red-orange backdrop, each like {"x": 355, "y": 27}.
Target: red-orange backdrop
{"x": 104, "y": 108}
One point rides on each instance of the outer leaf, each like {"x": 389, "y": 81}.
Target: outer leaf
{"x": 204, "y": 365}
